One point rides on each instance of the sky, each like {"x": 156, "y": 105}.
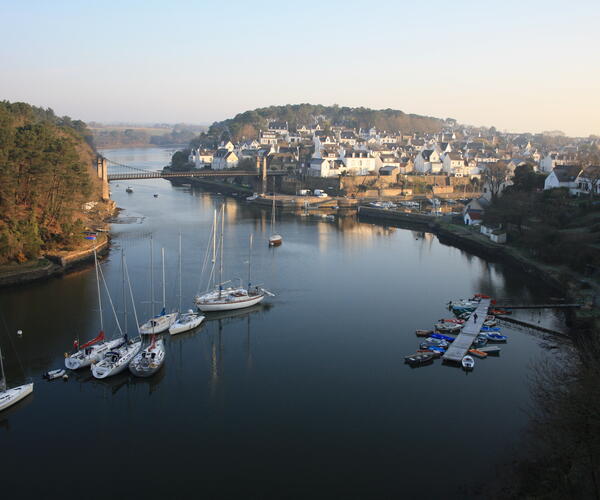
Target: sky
{"x": 523, "y": 66}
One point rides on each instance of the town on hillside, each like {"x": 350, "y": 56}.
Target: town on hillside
{"x": 455, "y": 157}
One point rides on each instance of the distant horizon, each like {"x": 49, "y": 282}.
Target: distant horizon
{"x": 519, "y": 66}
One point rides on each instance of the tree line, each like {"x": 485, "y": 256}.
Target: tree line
{"x": 44, "y": 179}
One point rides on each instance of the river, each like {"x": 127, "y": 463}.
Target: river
{"x": 305, "y": 395}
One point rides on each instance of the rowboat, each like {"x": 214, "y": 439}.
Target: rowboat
{"x": 491, "y": 350}
{"x": 419, "y": 359}
{"x": 496, "y": 337}
{"x": 423, "y": 333}
{"x": 478, "y": 354}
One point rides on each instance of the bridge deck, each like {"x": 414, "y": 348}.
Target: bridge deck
{"x": 458, "y": 349}
{"x": 194, "y": 173}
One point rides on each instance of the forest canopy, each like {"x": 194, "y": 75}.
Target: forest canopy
{"x": 247, "y": 125}
{"x": 44, "y": 179}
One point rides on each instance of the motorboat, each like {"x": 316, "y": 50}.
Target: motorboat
{"x": 423, "y": 333}
{"x": 129, "y": 189}
{"x": 149, "y": 360}
{"x": 468, "y": 363}
{"x": 439, "y": 336}
{"x": 478, "y": 354}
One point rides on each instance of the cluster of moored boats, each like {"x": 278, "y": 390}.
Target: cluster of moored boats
{"x": 437, "y": 340}
{"x": 145, "y": 354}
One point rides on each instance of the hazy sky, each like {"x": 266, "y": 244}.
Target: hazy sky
{"x": 519, "y": 65}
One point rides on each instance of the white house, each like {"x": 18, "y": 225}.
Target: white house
{"x": 280, "y": 128}
{"x": 201, "y": 157}
{"x": 267, "y": 137}
{"x": 223, "y": 159}
{"x": 563, "y": 176}
{"x": 428, "y": 161}
{"x": 358, "y": 162}
{"x": 453, "y": 163}
{"x": 554, "y": 159}
{"x": 587, "y": 181}
{"x": 326, "y": 167}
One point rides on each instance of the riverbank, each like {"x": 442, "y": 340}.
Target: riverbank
{"x": 52, "y": 264}
{"x": 575, "y": 287}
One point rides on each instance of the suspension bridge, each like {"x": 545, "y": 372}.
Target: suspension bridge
{"x": 121, "y": 172}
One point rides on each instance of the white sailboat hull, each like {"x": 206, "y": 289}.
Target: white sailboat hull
{"x": 148, "y": 361}
{"x": 108, "y": 367}
{"x": 158, "y": 324}
{"x": 185, "y": 323}
{"x": 14, "y": 395}
{"x": 228, "y": 305}
{"x": 80, "y": 359}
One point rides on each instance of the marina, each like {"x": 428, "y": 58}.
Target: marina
{"x": 462, "y": 343}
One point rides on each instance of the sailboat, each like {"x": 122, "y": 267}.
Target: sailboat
{"x": 149, "y": 360}
{"x": 161, "y": 322}
{"x": 9, "y": 397}
{"x": 93, "y": 350}
{"x": 227, "y": 299}
{"x": 185, "y": 321}
{"x": 275, "y": 239}
{"x": 118, "y": 358}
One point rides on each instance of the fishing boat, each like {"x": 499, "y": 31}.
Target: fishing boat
{"x": 162, "y": 321}
{"x": 190, "y": 319}
{"x": 468, "y": 363}
{"x": 9, "y": 397}
{"x": 116, "y": 360}
{"x": 423, "y": 333}
{"x": 149, "y": 360}
{"x": 419, "y": 359}
{"x": 496, "y": 337}
{"x": 227, "y": 299}
{"x": 94, "y": 349}
{"x": 275, "y": 239}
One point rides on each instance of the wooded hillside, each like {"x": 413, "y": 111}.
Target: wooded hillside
{"x": 45, "y": 177}
{"x": 247, "y": 125}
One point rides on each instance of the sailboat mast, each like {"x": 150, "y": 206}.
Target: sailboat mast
{"x": 3, "y": 379}
{"x": 162, "y": 255}
{"x": 124, "y": 299}
{"x": 151, "y": 277}
{"x": 214, "y": 238}
{"x": 99, "y": 294}
{"x": 273, "y": 216}
{"x": 221, "y": 257}
{"x": 249, "y": 261}
{"x": 179, "y": 272}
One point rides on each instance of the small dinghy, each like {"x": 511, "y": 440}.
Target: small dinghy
{"x": 129, "y": 189}
{"x": 419, "y": 359}
{"x": 468, "y": 363}
{"x": 423, "y": 333}
{"x": 156, "y": 195}
{"x": 148, "y": 361}
{"x": 436, "y": 349}
{"x": 439, "y": 336}
{"x": 479, "y": 342}
{"x": 52, "y": 374}
{"x": 433, "y": 342}
{"x": 478, "y": 354}
{"x": 496, "y": 337}
{"x": 490, "y": 322}
{"x": 448, "y": 327}
{"x": 436, "y": 354}
{"x": 490, "y": 329}
{"x": 492, "y": 350}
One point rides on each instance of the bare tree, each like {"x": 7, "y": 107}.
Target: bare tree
{"x": 495, "y": 177}
{"x": 591, "y": 175}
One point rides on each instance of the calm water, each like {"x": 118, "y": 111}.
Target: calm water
{"x": 306, "y": 395}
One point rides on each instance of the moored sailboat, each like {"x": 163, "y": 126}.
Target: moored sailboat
{"x": 275, "y": 239}
{"x": 149, "y": 360}
{"x": 226, "y": 299}
{"x": 9, "y": 397}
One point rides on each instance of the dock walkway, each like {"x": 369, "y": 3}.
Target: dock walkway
{"x": 458, "y": 349}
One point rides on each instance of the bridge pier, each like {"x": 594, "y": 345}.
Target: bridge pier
{"x": 102, "y": 171}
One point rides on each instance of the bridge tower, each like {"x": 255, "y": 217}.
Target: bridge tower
{"x": 263, "y": 176}
{"x": 102, "y": 170}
